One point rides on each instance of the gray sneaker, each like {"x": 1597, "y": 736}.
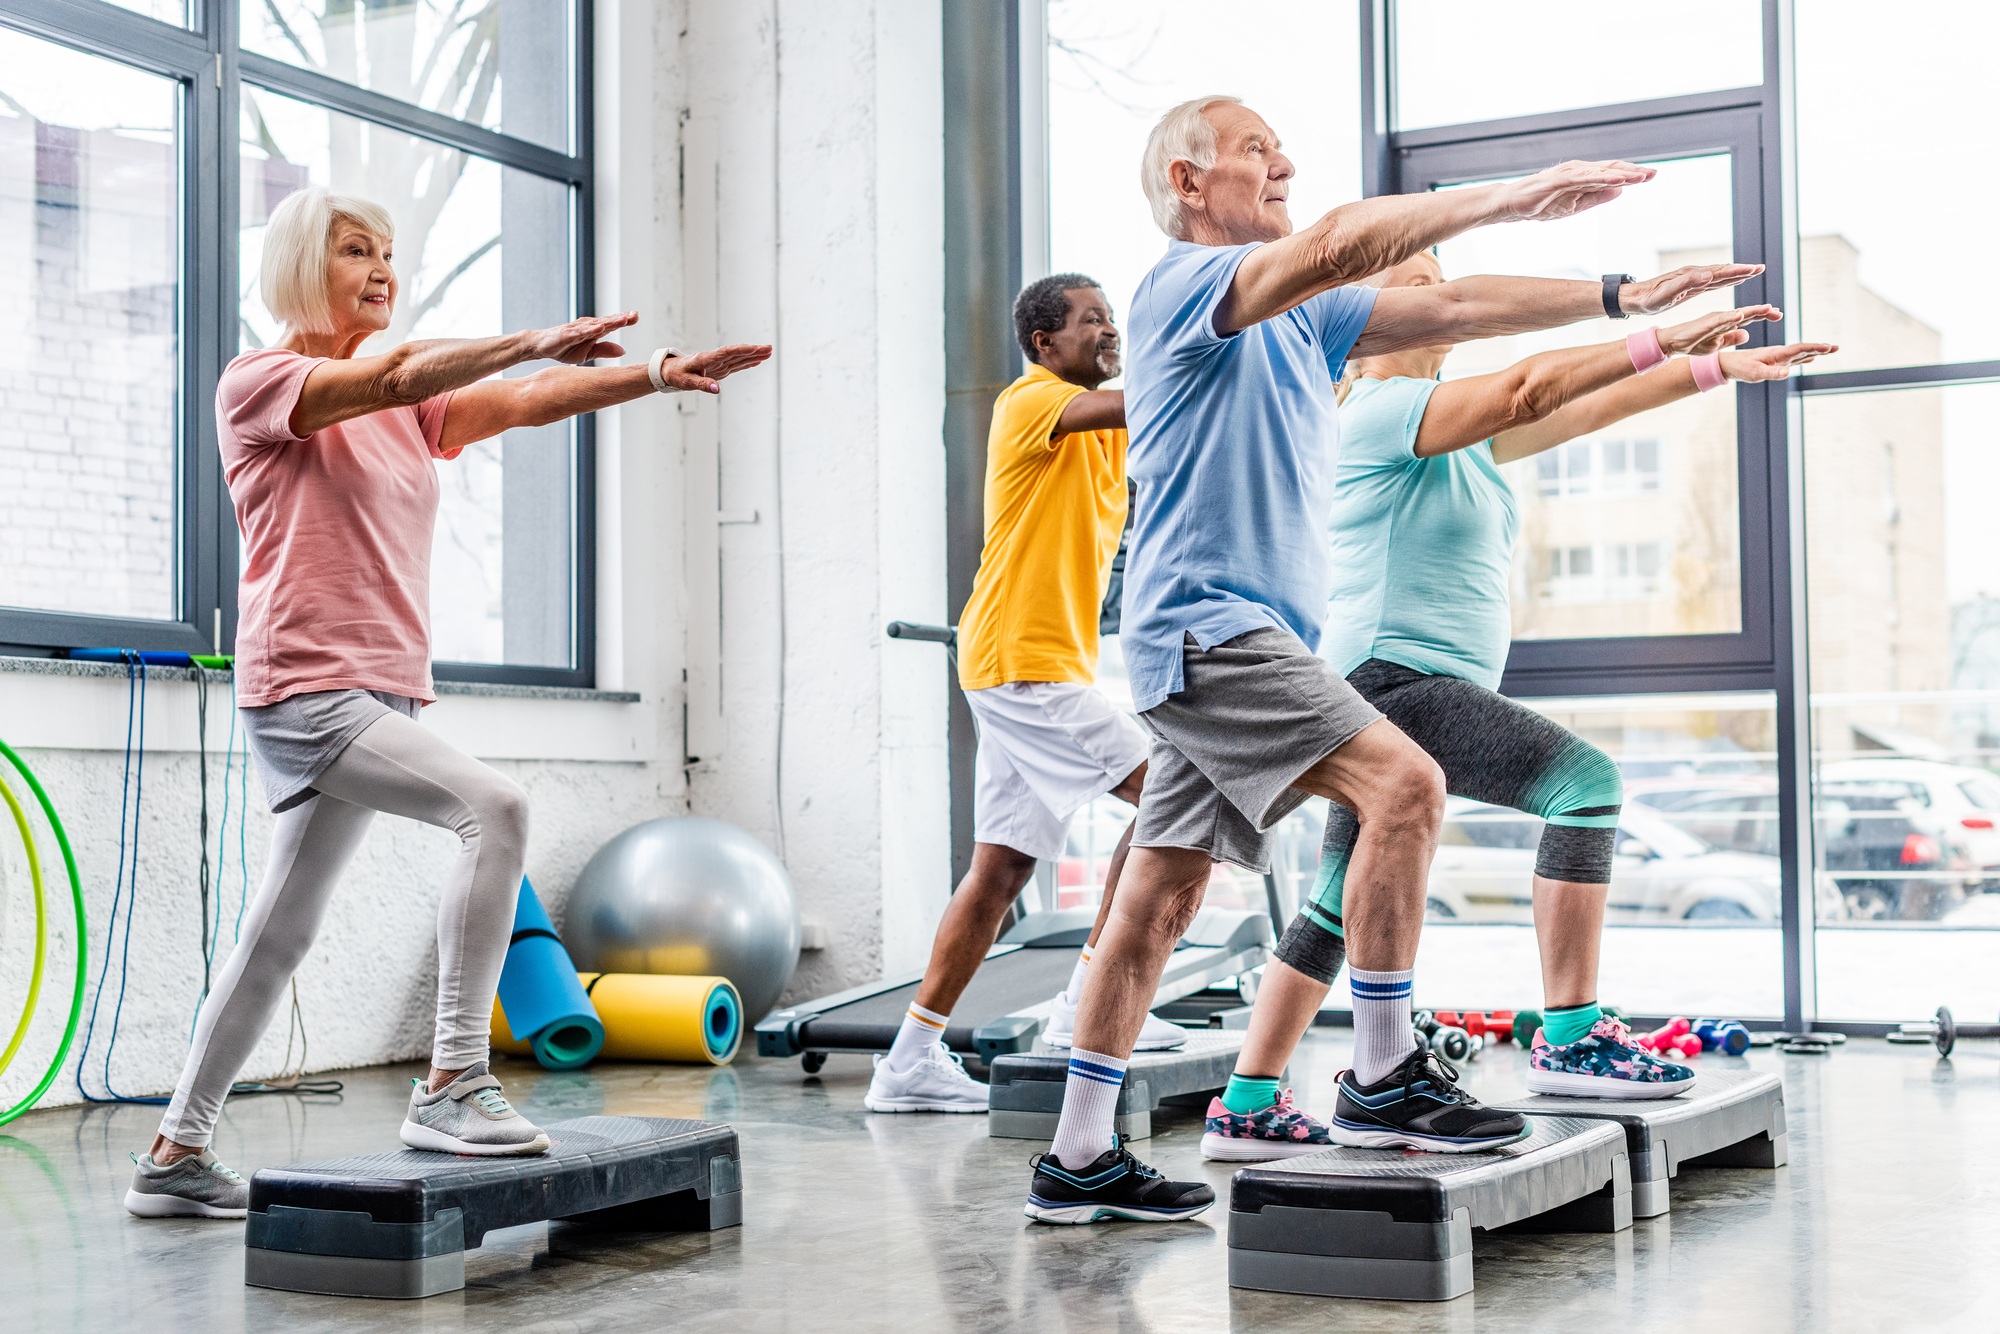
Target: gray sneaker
{"x": 469, "y": 1115}
{"x": 193, "y": 1187}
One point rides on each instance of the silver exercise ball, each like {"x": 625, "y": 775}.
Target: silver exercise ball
{"x": 688, "y": 895}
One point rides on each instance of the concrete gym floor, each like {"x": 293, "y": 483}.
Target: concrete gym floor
{"x": 1888, "y": 1218}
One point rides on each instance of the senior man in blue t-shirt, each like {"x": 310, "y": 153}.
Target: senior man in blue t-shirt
{"x": 1237, "y": 338}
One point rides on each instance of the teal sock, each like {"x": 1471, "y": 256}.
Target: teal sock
{"x": 1244, "y": 1096}
{"x": 1567, "y": 1025}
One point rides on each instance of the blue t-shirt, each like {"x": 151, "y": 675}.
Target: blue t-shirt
{"x": 1233, "y": 446}
{"x": 1422, "y": 548}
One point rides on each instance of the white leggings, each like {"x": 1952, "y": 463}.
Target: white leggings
{"x": 398, "y": 767}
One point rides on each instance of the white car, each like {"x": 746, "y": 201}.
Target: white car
{"x": 1485, "y": 866}
{"x": 1954, "y": 801}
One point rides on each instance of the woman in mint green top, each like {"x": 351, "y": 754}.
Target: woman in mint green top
{"x": 1424, "y": 526}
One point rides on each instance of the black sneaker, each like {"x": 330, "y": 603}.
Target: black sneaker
{"x": 1420, "y": 1106}
{"x": 1117, "y": 1185}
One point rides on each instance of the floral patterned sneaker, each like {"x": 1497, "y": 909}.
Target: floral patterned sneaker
{"x": 1279, "y": 1131}
{"x": 1604, "y": 1063}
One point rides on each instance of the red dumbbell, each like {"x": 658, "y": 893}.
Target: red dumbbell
{"x": 1501, "y": 1025}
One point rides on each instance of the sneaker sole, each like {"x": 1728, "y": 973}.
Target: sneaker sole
{"x": 142, "y": 1205}
{"x": 1229, "y": 1149}
{"x": 1075, "y": 1214}
{"x": 1065, "y": 1041}
{"x": 1561, "y": 1083}
{"x": 1376, "y": 1137}
{"x": 423, "y": 1137}
{"x": 923, "y": 1105}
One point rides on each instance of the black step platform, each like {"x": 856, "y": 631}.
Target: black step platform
{"x": 1026, "y": 1089}
{"x": 1734, "y": 1118}
{"x": 399, "y": 1224}
{"x": 1388, "y": 1224}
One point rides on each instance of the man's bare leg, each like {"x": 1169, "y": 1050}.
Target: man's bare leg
{"x": 971, "y": 922}
{"x": 1161, "y": 893}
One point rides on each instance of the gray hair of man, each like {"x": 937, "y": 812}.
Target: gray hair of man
{"x": 1184, "y": 134}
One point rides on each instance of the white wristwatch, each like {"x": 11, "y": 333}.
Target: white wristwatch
{"x": 655, "y": 364}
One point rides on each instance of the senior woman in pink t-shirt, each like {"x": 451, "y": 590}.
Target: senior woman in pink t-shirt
{"x": 329, "y": 460}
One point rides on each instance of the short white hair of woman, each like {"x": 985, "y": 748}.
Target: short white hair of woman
{"x": 298, "y": 245}
{"x": 1184, "y": 134}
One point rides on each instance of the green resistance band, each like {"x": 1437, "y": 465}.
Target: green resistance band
{"x": 41, "y": 932}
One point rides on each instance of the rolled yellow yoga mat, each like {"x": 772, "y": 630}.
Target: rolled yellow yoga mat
{"x": 655, "y": 1017}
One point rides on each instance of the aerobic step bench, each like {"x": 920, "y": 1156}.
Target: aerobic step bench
{"x": 399, "y": 1224}
{"x": 1734, "y": 1118}
{"x": 1388, "y": 1224}
{"x": 1025, "y": 1090}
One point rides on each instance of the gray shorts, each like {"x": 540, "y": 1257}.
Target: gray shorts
{"x": 1254, "y": 714}
{"x": 296, "y": 739}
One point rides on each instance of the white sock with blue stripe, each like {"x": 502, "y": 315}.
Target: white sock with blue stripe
{"x": 1383, "y": 1036}
{"x": 1089, "y": 1110}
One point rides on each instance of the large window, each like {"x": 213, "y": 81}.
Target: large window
{"x": 127, "y": 134}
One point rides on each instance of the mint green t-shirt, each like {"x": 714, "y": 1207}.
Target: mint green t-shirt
{"x": 1422, "y": 548}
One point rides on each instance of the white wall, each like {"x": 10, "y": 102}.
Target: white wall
{"x": 814, "y": 131}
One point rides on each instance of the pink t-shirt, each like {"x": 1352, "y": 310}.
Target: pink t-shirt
{"x": 336, "y": 536}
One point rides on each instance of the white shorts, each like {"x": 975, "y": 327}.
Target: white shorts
{"x": 1045, "y": 749}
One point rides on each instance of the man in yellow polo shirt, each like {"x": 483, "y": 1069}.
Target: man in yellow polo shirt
{"x": 1049, "y": 740}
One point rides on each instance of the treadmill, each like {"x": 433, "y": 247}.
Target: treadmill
{"x": 1007, "y": 1003}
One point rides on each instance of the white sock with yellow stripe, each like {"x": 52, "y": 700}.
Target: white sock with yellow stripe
{"x": 1074, "y": 992}
{"x": 921, "y": 1031}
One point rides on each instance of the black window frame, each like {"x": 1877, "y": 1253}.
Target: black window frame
{"x": 207, "y": 60}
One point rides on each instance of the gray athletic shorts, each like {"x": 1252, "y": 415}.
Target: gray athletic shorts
{"x": 1253, "y": 714}
{"x": 297, "y": 739}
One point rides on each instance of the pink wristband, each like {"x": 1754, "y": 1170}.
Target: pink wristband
{"x": 1645, "y": 350}
{"x": 1707, "y": 371}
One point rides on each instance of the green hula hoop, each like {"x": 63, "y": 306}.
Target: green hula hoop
{"x": 41, "y": 925}
{"x": 82, "y": 936}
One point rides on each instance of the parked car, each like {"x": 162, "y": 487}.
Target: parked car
{"x": 1863, "y": 826}
{"x": 1484, "y": 871}
{"x": 1951, "y": 802}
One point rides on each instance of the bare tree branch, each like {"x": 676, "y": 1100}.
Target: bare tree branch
{"x": 458, "y": 270}
{"x": 271, "y": 9}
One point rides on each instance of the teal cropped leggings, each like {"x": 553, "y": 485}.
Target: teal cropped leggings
{"x": 1491, "y": 749}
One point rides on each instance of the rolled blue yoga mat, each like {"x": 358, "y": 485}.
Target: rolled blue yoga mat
{"x": 543, "y": 1003}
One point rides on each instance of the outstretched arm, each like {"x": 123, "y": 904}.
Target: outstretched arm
{"x": 1093, "y": 410}
{"x": 1663, "y": 385}
{"x": 1535, "y": 390}
{"x": 1366, "y": 237}
{"x": 340, "y": 390}
{"x": 1487, "y": 307}
{"x": 483, "y": 410}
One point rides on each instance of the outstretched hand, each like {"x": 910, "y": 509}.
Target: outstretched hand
{"x": 1670, "y": 289}
{"x": 704, "y": 370}
{"x": 580, "y": 340}
{"x": 1715, "y": 331}
{"x": 1772, "y": 363}
{"x": 1569, "y": 188}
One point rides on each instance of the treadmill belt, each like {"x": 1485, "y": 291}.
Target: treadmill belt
{"x": 1001, "y": 986}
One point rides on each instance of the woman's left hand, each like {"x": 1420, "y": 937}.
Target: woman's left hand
{"x": 704, "y": 370}
{"x": 1713, "y": 332}
{"x": 1772, "y": 363}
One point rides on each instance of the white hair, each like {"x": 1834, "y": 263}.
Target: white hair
{"x": 1184, "y": 134}
{"x": 298, "y": 243}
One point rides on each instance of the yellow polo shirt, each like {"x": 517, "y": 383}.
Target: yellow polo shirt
{"x": 1054, "y": 510}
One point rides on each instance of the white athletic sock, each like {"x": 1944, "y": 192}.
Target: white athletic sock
{"x": 1383, "y": 1037}
{"x": 1089, "y": 1110}
{"x": 921, "y": 1030}
{"x": 1074, "y": 991}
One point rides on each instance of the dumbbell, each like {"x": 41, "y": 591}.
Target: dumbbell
{"x": 1488, "y": 1028}
{"x": 1527, "y": 1023}
{"x": 1672, "y": 1039}
{"x": 1447, "y": 1040}
{"x": 1941, "y": 1032}
{"x": 1723, "y": 1035}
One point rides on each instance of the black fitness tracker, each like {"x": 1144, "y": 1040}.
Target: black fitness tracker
{"x": 1612, "y": 282}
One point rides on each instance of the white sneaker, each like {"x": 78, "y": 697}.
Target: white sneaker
{"x": 1157, "y": 1035}
{"x": 936, "y": 1083}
